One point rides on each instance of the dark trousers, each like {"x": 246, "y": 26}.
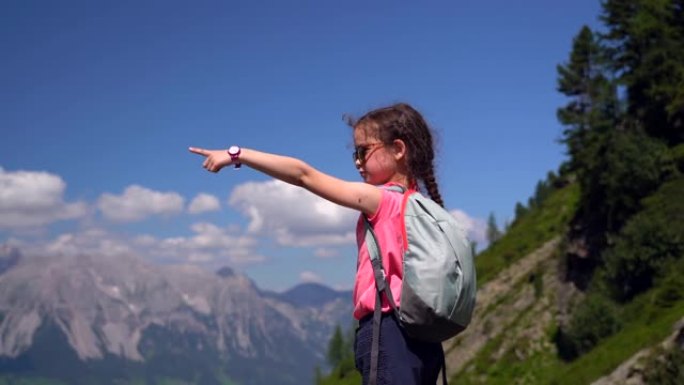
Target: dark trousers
{"x": 402, "y": 360}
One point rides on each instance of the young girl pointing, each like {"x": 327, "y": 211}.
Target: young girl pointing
{"x": 392, "y": 146}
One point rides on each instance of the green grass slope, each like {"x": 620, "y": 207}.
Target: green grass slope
{"x": 522, "y": 350}
{"x": 528, "y": 233}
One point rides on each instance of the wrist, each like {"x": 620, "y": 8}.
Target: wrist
{"x": 234, "y": 152}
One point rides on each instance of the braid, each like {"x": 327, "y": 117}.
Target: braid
{"x": 431, "y": 186}
{"x": 422, "y": 154}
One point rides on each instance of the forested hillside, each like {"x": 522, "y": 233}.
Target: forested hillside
{"x": 586, "y": 284}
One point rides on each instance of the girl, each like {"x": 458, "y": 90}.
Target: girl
{"x": 392, "y": 145}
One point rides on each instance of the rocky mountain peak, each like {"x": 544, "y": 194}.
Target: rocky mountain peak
{"x": 9, "y": 257}
{"x": 106, "y": 305}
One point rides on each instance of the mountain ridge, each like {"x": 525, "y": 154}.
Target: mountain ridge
{"x": 124, "y": 307}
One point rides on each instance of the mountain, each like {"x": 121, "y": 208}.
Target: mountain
{"x": 9, "y": 256}
{"x": 105, "y": 320}
{"x": 313, "y": 294}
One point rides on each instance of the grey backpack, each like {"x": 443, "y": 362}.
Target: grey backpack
{"x": 438, "y": 286}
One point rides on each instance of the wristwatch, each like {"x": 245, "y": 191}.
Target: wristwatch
{"x": 234, "y": 152}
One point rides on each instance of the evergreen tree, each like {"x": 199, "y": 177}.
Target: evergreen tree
{"x": 645, "y": 42}
{"x": 625, "y": 87}
{"x": 318, "y": 375}
{"x": 473, "y": 248}
{"x": 337, "y": 348}
{"x": 593, "y": 105}
{"x": 541, "y": 192}
{"x": 632, "y": 166}
{"x": 520, "y": 211}
{"x": 615, "y": 161}
{"x": 493, "y": 232}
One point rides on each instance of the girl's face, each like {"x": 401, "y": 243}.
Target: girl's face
{"x": 374, "y": 160}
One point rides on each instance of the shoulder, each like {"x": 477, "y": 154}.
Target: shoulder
{"x": 389, "y": 206}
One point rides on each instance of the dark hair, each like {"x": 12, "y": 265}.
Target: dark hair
{"x": 401, "y": 121}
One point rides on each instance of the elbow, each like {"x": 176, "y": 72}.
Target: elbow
{"x": 303, "y": 176}
{"x": 297, "y": 181}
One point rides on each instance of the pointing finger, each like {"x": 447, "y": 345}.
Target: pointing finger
{"x": 199, "y": 151}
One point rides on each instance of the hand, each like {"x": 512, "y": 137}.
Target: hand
{"x": 215, "y": 159}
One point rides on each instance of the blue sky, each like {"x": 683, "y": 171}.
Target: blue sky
{"x": 100, "y": 101}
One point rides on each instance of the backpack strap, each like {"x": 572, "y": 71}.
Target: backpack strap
{"x": 375, "y": 255}
{"x": 395, "y": 187}
{"x": 381, "y": 286}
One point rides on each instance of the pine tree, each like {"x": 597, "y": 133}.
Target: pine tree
{"x": 318, "y": 375}
{"x": 473, "y": 247}
{"x": 593, "y": 104}
{"x": 336, "y": 347}
{"x": 520, "y": 211}
{"x": 591, "y": 118}
{"x": 493, "y": 232}
{"x": 645, "y": 42}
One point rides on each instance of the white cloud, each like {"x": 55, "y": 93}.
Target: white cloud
{"x": 210, "y": 245}
{"x": 293, "y": 215}
{"x": 310, "y": 276}
{"x": 344, "y": 287}
{"x": 93, "y": 241}
{"x": 203, "y": 203}
{"x": 33, "y": 198}
{"x": 137, "y": 203}
{"x": 326, "y": 253}
{"x": 476, "y": 228}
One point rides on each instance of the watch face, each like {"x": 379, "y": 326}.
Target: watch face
{"x": 234, "y": 152}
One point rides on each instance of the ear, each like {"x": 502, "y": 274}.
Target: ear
{"x": 399, "y": 148}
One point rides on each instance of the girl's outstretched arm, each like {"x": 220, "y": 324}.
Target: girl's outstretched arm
{"x": 356, "y": 195}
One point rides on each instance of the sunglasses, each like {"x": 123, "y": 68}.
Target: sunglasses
{"x": 361, "y": 153}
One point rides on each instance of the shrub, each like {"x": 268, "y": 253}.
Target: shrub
{"x": 666, "y": 369}
{"x": 594, "y": 319}
{"x": 645, "y": 247}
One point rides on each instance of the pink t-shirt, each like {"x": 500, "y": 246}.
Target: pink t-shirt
{"x": 387, "y": 223}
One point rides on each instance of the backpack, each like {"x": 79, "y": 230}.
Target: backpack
{"x": 439, "y": 284}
